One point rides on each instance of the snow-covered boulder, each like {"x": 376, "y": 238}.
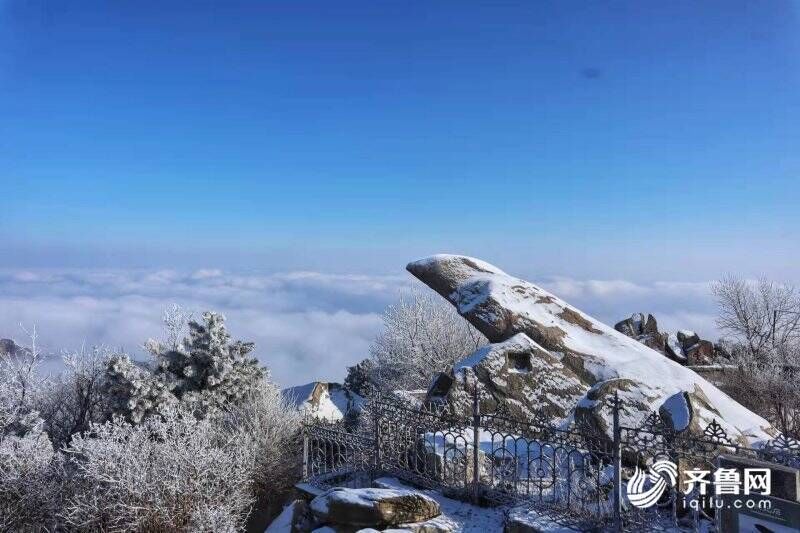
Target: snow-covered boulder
{"x": 643, "y": 329}
{"x": 325, "y": 401}
{"x": 683, "y": 346}
{"x": 373, "y": 507}
{"x": 518, "y": 373}
{"x": 501, "y": 306}
{"x": 595, "y": 410}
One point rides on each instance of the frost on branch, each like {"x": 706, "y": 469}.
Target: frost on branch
{"x": 132, "y": 391}
{"x": 268, "y": 424}
{"x": 207, "y": 370}
{"x": 25, "y": 449}
{"x": 168, "y": 473}
{"x": 422, "y": 336}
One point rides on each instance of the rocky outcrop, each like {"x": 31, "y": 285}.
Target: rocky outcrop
{"x": 325, "y": 401}
{"x": 371, "y": 507}
{"x": 644, "y": 329}
{"x": 684, "y": 346}
{"x": 11, "y": 349}
{"x": 518, "y": 373}
{"x": 502, "y": 306}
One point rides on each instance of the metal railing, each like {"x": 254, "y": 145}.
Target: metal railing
{"x": 494, "y": 458}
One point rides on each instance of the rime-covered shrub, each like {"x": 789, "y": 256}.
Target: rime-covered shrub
{"x": 135, "y": 392}
{"x": 762, "y": 320}
{"x": 26, "y": 454}
{"x": 269, "y": 426}
{"x": 170, "y": 472}
{"x": 27, "y": 488}
{"x": 73, "y": 400}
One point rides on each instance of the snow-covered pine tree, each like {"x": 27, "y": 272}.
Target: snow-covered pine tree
{"x": 359, "y": 377}
{"x": 207, "y": 370}
{"x": 133, "y": 391}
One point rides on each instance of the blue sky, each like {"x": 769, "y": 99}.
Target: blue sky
{"x": 609, "y": 140}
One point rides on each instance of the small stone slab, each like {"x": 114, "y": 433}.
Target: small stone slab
{"x": 371, "y": 507}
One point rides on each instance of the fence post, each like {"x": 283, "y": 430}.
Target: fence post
{"x": 617, "y": 458}
{"x": 476, "y": 442}
{"x": 305, "y": 450}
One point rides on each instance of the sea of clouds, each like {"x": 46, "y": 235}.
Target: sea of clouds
{"x": 306, "y": 325}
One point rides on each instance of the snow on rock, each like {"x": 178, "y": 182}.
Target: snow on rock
{"x": 674, "y": 348}
{"x": 456, "y": 516}
{"x": 326, "y": 401}
{"x": 643, "y": 330}
{"x": 373, "y": 506}
{"x": 283, "y": 522}
{"x": 518, "y": 372}
{"x": 294, "y": 518}
{"x": 685, "y": 346}
{"x": 595, "y": 408}
{"x": 501, "y": 306}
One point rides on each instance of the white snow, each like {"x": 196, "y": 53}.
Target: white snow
{"x": 606, "y": 352}
{"x": 283, "y": 522}
{"x": 461, "y": 517}
{"x": 675, "y": 346}
{"x": 365, "y": 497}
{"x": 538, "y": 521}
{"x": 334, "y": 401}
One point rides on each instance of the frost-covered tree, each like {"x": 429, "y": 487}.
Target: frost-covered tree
{"x": 762, "y": 322}
{"x": 26, "y": 454}
{"x": 176, "y": 322}
{"x": 760, "y": 316}
{"x": 207, "y": 370}
{"x": 360, "y": 377}
{"x": 74, "y": 399}
{"x": 422, "y": 335}
{"x": 171, "y": 472}
{"x": 134, "y": 392}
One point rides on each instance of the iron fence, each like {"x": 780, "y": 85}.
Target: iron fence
{"x": 495, "y": 458}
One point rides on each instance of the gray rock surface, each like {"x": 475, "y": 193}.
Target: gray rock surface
{"x": 502, "y": 306}
{"x": 684, "y": 346}
{"x": 373, "y": 507}
{"x": 518, "y": 373}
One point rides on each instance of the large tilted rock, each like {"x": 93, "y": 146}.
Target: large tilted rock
{"x": 501, "y": 306}
{"x": 372, "y": 507}
{"x": 517, "y": 373}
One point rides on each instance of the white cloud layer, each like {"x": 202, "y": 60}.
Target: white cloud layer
{"x": 306, "y": 325}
